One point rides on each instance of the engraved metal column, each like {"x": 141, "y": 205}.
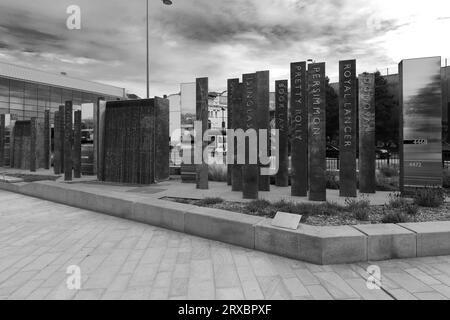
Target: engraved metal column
{"x": 367, "y": 182}
{"x": 281, "y": 118}
{"x": 317, "y": 134}
{"x": 262, "y": 105}
{"x": 77, "y": 145}
{"x": 33, "y": 139}
{"x": 47, "y": 139}
{"x": 299, "y": 130}
{"x": 56, "y": 143}
{"x": 2, "y": 140}
{"x": 202, "y": 115}
{"x": 250, "y": 173}
{"x": 68, "y": 137}
{"x": 347, "y": 128}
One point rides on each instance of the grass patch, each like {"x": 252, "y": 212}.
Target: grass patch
{"x": 357, "y": 204}
{"x": 361, "y": 214}
{"x": 396, "y": 201}
{"x": 395, "y": 217}
{"x": 209, "y": 202}
{"x": 429, "y": 197}
{"x": 260, "y": 208}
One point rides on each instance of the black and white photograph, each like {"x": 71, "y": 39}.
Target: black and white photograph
{"x": 228, "y": 157}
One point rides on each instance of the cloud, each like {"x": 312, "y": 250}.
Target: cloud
{"x": 216, "y": 38}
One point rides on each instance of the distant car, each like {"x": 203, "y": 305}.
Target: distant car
{"x": 382, "y": 153}
{"x": 332, "y": 151}
{"x": 87, "y": 159}
{"x": 87, "y": 136}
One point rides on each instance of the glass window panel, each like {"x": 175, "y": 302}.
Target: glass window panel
{"x": 77, "y": 98}
{"x": 29, "y": 114}
{"x": 66, "y": 95}
{"x": 55, "y": 97}
{"x": 29, "y": 107}
{"x": 16, "y": 100}
{"x": 31, "y": 91}
{"x": 16, "y": 106}
{"x": 16, "y": 91}
{"x": 43, "y": 95}
{"x": 16, "y": 114}
{"x": 4, "y": 89}
{"x": 16, "y": 87}
{"x": 86, "y": 98}
{"x": 4, "y": 105}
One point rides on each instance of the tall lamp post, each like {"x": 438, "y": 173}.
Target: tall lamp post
{"x": 166, "y": 2}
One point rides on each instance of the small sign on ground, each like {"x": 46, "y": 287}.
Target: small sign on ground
{"x": 286, "y": 220}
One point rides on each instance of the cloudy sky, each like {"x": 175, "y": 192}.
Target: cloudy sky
{"x": 220, "y": 39}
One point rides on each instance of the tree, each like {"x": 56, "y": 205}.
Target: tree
{"x": 332, "y": 112}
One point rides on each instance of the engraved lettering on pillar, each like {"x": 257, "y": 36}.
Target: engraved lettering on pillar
{"x": 231, "y": 89}
{"x": 299, "y": 130}
{"x": 263, "y": 114}
{"x": 250, "y": 170}
{"x": 367, "y": 133}
{"x": 317, "y": 136}
{"x": 347, "y": 128}
{"x": 281, "y": 118}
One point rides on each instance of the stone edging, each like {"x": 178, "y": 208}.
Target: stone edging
{"x": 319, "y": 245}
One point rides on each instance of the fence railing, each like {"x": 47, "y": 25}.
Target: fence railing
{"x": 393, "y": 161}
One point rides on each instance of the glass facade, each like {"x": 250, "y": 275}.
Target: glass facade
{"x": 25, "y": 100}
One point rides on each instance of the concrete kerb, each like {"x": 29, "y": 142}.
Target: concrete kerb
{"x": 433, "y": 238}
{"x": 220, "y": 225}
{"x": 389, "y": 241}
{"x": 319, "y": 245}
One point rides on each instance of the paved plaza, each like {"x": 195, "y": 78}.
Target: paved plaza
{"x": 175, "y": 188}
{"x": 121, "y": 259}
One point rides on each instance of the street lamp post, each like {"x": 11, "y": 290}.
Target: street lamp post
{"x": 166, "y": 2}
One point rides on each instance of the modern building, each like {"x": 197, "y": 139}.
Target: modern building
{"x": 182, "y": 110}
{"x": 218, "y": 110}
{"x": 26, "y": 93}
{"x": 175, "y": 118}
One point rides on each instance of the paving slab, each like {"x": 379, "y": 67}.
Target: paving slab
{"x": 139, "y": 271}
